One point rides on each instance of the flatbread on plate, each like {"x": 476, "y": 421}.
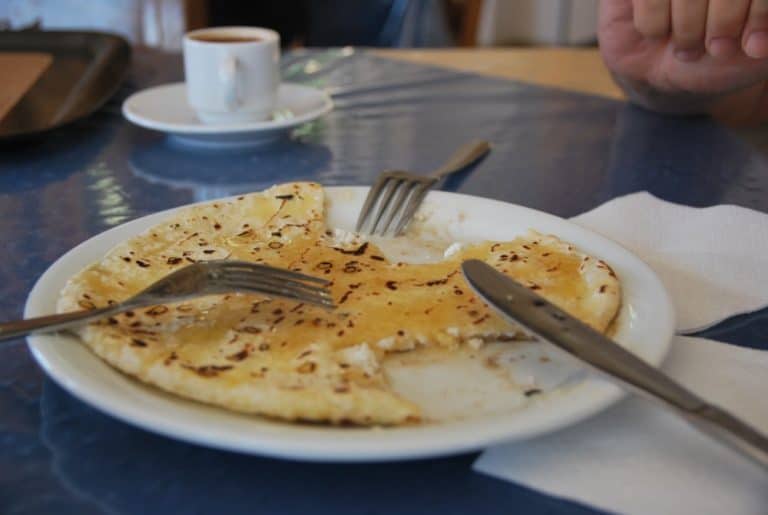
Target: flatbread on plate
{"x": 300, "y": 362}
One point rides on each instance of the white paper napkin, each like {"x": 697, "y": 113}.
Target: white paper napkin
{"x": 713, "y": 261}
{"x": 637, "y": 458}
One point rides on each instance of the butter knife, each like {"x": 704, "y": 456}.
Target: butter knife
{"x": 521, "y": 306}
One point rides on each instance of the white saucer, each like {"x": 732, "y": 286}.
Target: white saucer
{"x": 165, "y": 108}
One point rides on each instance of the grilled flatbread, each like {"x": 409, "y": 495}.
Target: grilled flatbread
{"x": 300, "y": 362}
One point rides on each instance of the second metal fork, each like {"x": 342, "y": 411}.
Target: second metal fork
{"x": 395, "y": 196}
{"x": 204, "y": 278}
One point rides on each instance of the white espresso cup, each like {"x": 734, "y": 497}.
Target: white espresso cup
{"x": 232, "y": 73}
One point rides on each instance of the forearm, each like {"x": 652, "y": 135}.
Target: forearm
{"x": 743, "y": 107}
{"x": 679, "y": 103}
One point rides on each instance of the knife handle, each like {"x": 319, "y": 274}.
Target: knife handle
{"x": 731, "y": 431}
{"x": 630, "y": 371}
{"x": 620, "y": 365}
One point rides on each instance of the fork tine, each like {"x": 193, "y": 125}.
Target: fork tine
{"x": 413, "y": 205}
{"x": 259, "y": 278}
{"x": 276, "y": 283}
{"x": 271, "y": 271}
{"x": 373, "y": 195}
{"x": 246, "y": 266}
{"x": 306, "y": 299}
{"x": 319, "y": 297}
{"x": 390, "y": 188}
{"x": 403, "y": 194}
{"x": 277, "y": 291}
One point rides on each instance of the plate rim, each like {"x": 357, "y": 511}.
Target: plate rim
{"x": 457, "y": 437}
{"x": 224, "y": 129}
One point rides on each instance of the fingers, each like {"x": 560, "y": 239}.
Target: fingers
{"x": 652, "y": 17}
{"x": 755, "y": 35}
{"x": 725, "y": 24}
{"x": 722, "y": 28}
{"x": 689, "y": 23}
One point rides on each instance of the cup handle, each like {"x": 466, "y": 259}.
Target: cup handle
{"x": 229, "y": 72}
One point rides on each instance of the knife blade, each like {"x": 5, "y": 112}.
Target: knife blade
{"x": 523, "y": 307}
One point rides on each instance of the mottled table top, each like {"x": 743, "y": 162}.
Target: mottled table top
{"x": 556, "y": 151}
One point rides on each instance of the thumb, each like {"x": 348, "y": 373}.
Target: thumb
{"x": 616, "y": 32}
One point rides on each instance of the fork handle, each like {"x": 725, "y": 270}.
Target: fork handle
{"x": 51, "y": 323}
{"x": 467, "y": 156}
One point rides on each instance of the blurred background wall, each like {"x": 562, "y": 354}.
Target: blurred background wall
{"x": 379, "y": 23}
{"x": 531, "y": 22}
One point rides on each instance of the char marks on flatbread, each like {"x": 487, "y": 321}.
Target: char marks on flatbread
{"x": 301, "y": 362}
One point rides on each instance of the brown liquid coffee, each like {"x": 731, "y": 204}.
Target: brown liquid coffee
{"x": 224, "y": 38}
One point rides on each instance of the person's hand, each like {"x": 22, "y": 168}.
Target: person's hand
{"x": 690, "y": 56}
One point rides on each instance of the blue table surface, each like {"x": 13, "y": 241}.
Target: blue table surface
{"x": 555, "y": 151}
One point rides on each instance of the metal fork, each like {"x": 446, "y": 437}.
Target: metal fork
{"x": 205, "y": 278}
{"x": 396, "y": 195}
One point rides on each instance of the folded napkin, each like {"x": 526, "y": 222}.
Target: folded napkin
{"x": 713, "y": 261}
{"x": 638, "y": 458}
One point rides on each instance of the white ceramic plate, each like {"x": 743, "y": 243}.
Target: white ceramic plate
{"x": 471, "y": 409}
{"x": 165, "y": 108}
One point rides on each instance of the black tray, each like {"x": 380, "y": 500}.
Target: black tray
{"x": 86, "y": 70}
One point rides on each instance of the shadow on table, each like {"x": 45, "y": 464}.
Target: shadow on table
{"x": 214, "y": 174}
{"x": 127, "y": 470}
{"x": 692, "y": 161}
